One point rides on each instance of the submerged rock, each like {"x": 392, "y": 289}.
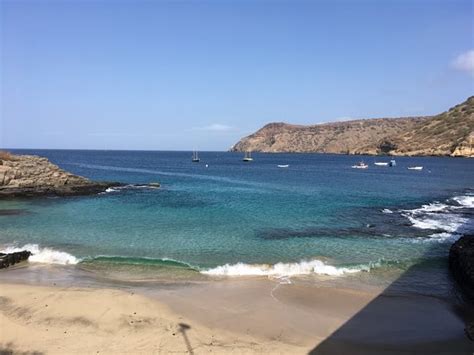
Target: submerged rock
{"x": 9, "y": 259}
{"x": 29, "y": 175}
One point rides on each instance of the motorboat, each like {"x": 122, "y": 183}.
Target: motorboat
{"x": 360, "y": 165}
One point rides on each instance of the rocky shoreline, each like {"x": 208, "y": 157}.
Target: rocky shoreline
{"x": 34, "y": 176}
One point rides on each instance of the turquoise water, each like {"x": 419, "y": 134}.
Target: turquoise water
{"x": 319, "y": 216}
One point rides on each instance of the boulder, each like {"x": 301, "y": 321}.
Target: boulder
{"x": 461, "y": 264}
{"x": 9, "y": 259}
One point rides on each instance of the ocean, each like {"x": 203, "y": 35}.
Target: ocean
{"x": 317, "y": 221}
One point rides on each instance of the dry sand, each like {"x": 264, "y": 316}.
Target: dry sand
{"x": 228, "y": 316}
{"x": 90, "y": 321}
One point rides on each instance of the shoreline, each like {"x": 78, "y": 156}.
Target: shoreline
{"x": 77, "y": 288}
{"x": 233, "y": 315}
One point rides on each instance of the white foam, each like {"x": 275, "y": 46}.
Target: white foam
{"x": 446, "y": 222}
{"x": 386, "y": 210}
{"x": 431, "y": 207}
{"x": 440, "y": 216}
{"x": 465, "y": 201}
{"x": 129, "y": 186}
{"x": 443, "y": 237}
{"x": 283, "y": 269}
{"x": 44, "y": 255}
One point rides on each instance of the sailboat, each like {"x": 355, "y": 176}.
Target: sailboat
{"x": 195, "y": 157}
{"x": 247, "y": 157}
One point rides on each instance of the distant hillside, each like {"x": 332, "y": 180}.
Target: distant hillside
{"x": 449, "y": 133}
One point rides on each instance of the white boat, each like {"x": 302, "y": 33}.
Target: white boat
{"x": 195, "y": 157}
{"x": 392, "y": 163}
{"x": 360, "y": 165}
{"x": 415, "y": 168}
{"x": 380, "y": 163}
{"x": 247, "y": 157}
{"x": 283, "y": 165}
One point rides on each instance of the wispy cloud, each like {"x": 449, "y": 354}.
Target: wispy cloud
{"x": 114, "y": 134}
{"x": 130, "y": 134}
{"x": 464, "y": 62}
{"x": 343, "y": 118}
{"x": 216, "y": 127}
{"x": 337, "y": 119}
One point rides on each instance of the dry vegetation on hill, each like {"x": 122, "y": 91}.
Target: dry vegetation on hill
{"x": 449, "y": 133}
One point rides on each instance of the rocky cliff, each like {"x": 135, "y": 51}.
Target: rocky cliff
{"x": 450, "y": 133}
{"x": 28, "y": 175}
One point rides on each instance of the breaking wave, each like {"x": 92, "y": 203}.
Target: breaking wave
{"x": 146, "y": 261}
{"x": 465, "y": 201}
{"x": 449, "y": 219}
{"x": 317, "y": 267}
{"x": 44, "y": 255}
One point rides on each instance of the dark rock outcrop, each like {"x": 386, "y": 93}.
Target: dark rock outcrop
{"x": 29, "y": 176}
{"x": 9, "y": 259}
{"x": 385, "y": 147}
{"x": 72, "y": 190}
{"x": 461, "y": 264}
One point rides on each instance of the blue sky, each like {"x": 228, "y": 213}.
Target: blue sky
{"x": 180, "y": 75}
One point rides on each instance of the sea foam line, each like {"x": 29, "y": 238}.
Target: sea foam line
{"x": 167, "y": 173}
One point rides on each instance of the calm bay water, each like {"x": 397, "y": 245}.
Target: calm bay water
{"x": 317, "y": 217}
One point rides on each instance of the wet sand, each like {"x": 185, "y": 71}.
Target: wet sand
{"x": 239, "y": 315}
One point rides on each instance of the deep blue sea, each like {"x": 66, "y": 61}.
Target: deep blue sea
{"x": 317, "y": 218}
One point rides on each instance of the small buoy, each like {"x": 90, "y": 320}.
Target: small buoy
{"x": 207, "y": 166}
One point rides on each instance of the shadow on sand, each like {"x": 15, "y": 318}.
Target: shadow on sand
{"x": 399, "y": 323}
{"x": 183, "y": 327}
{"x": 10, "y": 349}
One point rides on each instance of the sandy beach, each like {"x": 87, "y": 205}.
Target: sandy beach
{"x": 90, "y": 321}
{"x": 227, "y": 316}
{"x": 236, "y": 177}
